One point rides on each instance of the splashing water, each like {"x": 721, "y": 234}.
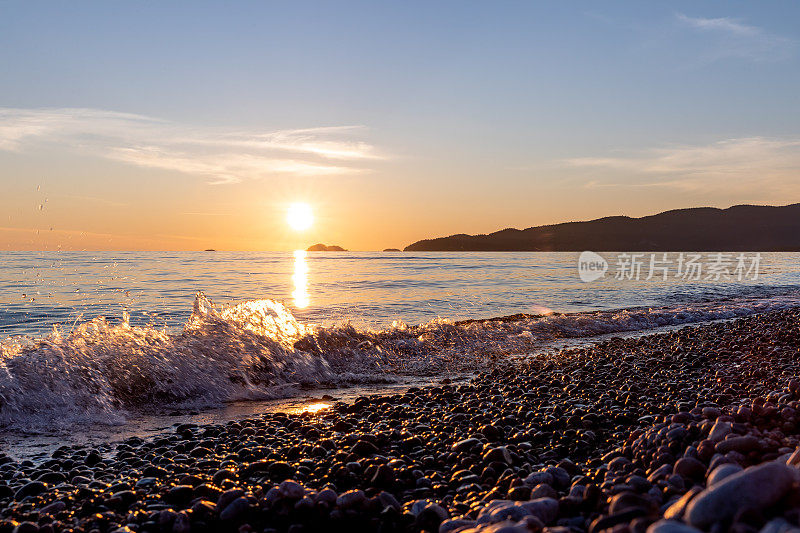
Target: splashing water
{"x": 99, "y": 369}
{"x": 98, "y": 372}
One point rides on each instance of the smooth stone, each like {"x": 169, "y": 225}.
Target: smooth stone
{"x": 387, "y": 499}
{"x": 720, "y": 431}
{"x": 545, "y": 509}
{"x": 500, "y": 511}
{"x": 291, "y": 489}
{"x": 610, "y": 521}
{"x": 53, "y": 508}
{"x": 431, "y": 517}
{"x": 543, "y": 491}
{"x": 222, "y": 475}
{"x": 464, "y": 445}
{"x": 628, "y": 500}
{"x": 671, "y": 526}
{"x": 721, "y": 472}
{"x": 677, "y": 509}
{"x": 537, "y": 478}
{"x": 281, "y": 470}
{"x": 456, "y": 524}
{"x": 743, "y": 444}
{"x": 364, "y": 448}
{"x": 146, "y": 482}
{"x": 500, "y": 454}
{"x": 561, "y": 477}
{"x": 27, "y": 527}
{"x": 33, "y": 488}
{"x": 351, "y": 498}
{"x": 688, "y": 467}
{"x": 182, "y": 523}
{"x": 179, "y": 494}
{"x": 235, "y": 509}
{"x": 228, "y": 496}
{"x": 327, "y": 496}
{"x": 618, "y": 464}
{"x": 779, "y": 525}
{"x": 755, "y": 488}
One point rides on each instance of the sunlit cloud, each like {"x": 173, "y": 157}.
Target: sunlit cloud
{"x": 216, "y": 154}
{"x": 732, "y": 38}
{"x": 758, "y": 166}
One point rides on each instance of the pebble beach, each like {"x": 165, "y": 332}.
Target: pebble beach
{"x": 694, "y": 429}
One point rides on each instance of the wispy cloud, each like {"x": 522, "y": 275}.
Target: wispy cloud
{"x": 724, "y": 24}
{"x": 22, "y": 238}
{"x": 95, "y": 200}
{"x": 757, "y": 166}
{"x": 733, "y": 38}
{"x": 220, "y": 155}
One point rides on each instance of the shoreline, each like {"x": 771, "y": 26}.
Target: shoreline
{"x": 37, "y": 442}
{"x": 610, "y": 435}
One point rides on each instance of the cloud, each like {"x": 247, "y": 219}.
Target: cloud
{"x": 755, "y": 166}
{"x": 735, "y": 39}
{"x": 220, "y": 155}
{"x": 95, "y": 200}
{"x": 724, "y": 24}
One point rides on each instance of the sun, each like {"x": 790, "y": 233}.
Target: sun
{"x": 300, "y": 217}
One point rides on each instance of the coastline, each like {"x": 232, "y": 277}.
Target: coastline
{"x": 588, "y": 439}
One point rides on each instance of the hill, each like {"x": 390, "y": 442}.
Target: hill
{"x": 737, "y": 228}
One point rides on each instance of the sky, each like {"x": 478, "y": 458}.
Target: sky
{"x": 194, "y": 125}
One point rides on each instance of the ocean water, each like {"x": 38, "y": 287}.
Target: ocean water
{"x": 101, "y": 339}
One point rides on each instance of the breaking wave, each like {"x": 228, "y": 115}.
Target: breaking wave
{"x": 100, "y": 371}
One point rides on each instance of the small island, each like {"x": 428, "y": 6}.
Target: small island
{"x": 319, "y": 247}
{"x": 392, "y": 250}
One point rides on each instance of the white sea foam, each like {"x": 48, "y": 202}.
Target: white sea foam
{"x": 99, "y": 371}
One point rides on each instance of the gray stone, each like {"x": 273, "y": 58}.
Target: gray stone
{"x": 291, "y": 489}
{"x": 235, "y": 509}
{"x": 677, "y": 509}
{"x": 779, "y": 525}
{"x": 671, "y": 526}
{"x": 742, "y": 444}
{"x": 720, "y": 431}
{"x": 545, "y": 509}
{"x": 351, "y": 498}
{"x": 721, "y": 472}
{"x": 464, "y": 445}
{"x": 456, "y": 524}
{"x": 539, "y": 477}
{"x": 53, "y": 508}
{"x": 752, "y": 489}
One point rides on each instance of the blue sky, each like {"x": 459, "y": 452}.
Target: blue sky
{"x": 412, "y": 119}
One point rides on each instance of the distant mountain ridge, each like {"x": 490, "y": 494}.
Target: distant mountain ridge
{"x": 738, "y": 228}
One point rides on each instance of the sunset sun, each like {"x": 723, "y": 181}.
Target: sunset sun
{"x": 300, "y": 217}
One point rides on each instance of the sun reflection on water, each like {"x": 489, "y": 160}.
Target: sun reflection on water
{"x": 300, "y": 280}
{"x": 315, "y": 407}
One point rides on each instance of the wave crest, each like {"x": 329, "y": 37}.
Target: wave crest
{"x": 257, "y": 349}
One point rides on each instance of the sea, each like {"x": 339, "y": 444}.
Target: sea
{"x": 98, "y": 346}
